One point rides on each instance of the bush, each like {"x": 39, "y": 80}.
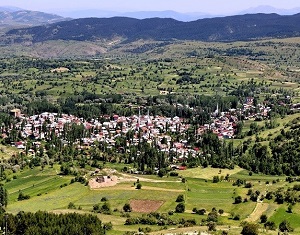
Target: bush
{"x": 105, "y": 209}
{"x": 290, "y": 209}
{"x": 211, "y": 226}
{"x": 201, "y": 212}
{"x": 212, "y": 216}
{"x": 161, "y": 172}
{"x": 139, "y": 186}
{"x": 104, "y": 199}
{"x": 285, "y": 226}
{"x": 263, "y": 218}
{"x": 253, "y": 197}
{"x": 71, "y": 206}
{"x": 127, "y": 207}
{"x": 216, "y": 179}
{"x": 96, "y": 207}
{"x": 296, "y": 187}
{"x": 270, "y": 225}
{"x": 173, "y": 173}
{"x": 180, "y": 198}
{"x": 250, "y": 229}
{"x": 180, "y": 208}
{"x": 108, "y": 226}
{"x": 22, "y": 197}
{"x": 238, "y": 200}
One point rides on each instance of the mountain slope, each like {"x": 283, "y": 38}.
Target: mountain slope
{"x": 232, "y": 28}
{"x": 27, "y": 18}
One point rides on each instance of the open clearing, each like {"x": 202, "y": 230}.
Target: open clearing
{"x": 208, "y": 173}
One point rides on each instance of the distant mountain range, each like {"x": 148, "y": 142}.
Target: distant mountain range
{"x": 269, "y": 9}
{"x": 231, "y": 28}
{"x": 190, "y": 16}
{"x": 15, "y": 17}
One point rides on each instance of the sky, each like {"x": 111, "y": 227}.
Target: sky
{"x": 184, "y": 6}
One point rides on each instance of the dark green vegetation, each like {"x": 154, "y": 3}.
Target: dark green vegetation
{"x": 25, "y": 223}
{"x": 232, "y": 28}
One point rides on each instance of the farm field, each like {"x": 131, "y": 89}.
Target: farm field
{"x": 49, "y": 191}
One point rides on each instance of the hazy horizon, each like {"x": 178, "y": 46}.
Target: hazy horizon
{"x": 186, "y": 6}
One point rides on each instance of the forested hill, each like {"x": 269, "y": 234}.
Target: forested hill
{"x": 232, "y": 28}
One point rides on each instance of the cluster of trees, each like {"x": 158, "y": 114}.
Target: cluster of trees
{"x": 160, "y": 219}
{"x": 280, "y": 157}
{"x": 27, "y": 223}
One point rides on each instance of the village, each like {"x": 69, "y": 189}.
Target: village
{"x": 156, "y": 130}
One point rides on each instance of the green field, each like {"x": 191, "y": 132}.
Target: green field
{"x": 46, "y": 194}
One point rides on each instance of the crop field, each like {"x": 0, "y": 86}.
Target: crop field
{"x": 49, "y": 191}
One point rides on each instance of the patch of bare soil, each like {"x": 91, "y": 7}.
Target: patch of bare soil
{"x": 145, "y": 206}
{"x": 60, "y": 70}
{"x": 94, "y": 184}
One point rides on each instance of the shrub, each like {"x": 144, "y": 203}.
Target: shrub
{"x": 180, "y": 208}
{"x": 216, "y": 179}
{"x": 212, "y": 216}
{"x": 263, "y": 218}
{"x": 296, "y": 187}
{"x": 139, "y": 186}
{"x": 108, "y": 226}
{"x": 290, "y": 209}
{"x": 173, "y": 173}
{"x": 211, "y": 226}
{"x": 161, "y": 172}
{"x": 250, "y": 229}
{"x": 201, "y": 212}
{"x": 22, "y": 197}
{"x": 127, "y": 207}
{"x": 270, "y": 225}
{"x": 96, "y": 207}
{"x": 285, "y": 226}
{"x": 71, "y": 206}
{"x": 105, "y": 208}
{"x": 238, "y": 200}
{"x": 180, "y": 198}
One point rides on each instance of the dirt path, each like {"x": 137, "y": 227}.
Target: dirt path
{"x": 127, "y": 177}
{"x": 114, "y": 180}
{"x": 162, "y": 189}
{"x": 259, "y": 209}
